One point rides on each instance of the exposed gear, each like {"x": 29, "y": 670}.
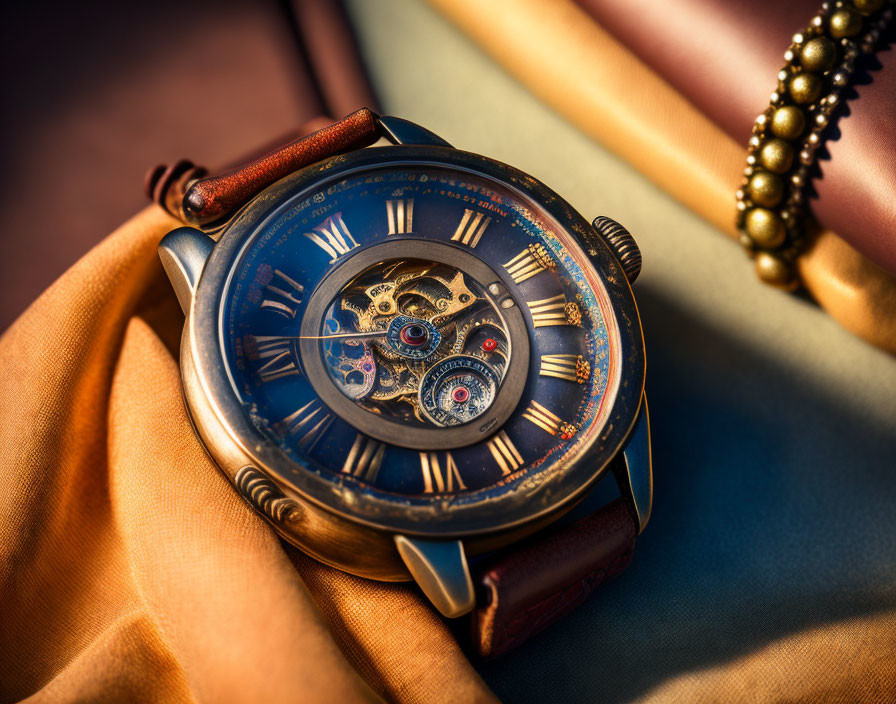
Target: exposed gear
{"x": 426, "y": 311}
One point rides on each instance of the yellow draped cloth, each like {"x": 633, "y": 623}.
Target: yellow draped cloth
{"x": 130, "y": 570}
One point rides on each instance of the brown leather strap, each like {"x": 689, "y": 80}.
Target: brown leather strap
{"x": 204, "y": 201}
{"x": 533, "y": 585}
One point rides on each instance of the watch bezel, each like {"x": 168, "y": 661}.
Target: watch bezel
{"x": 491, "y": 510}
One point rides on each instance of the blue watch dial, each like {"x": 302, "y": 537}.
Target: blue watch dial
{"x": 419, "y": 330}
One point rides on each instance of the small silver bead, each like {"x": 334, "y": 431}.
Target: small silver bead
{"x": 783, "y": 75}
{"x": 816, "y": 21}
{"x": 751, "y": 159}
{"x": 741, "y": 205}
{"x": 821, "y": 120}
{"x": 775, "y": 97}
{"x": 739, "y": 194}
{"x": 814, "y": 138}
{"x": 841, "y": 78}
{"x": 806, "y": 156}
{"x": 755, "y": 141}
{"x": 761, "y": 120}
{"x": 797, "y": 180}
{"x": 798, "y": 38}
{"x": 788, "y": 55}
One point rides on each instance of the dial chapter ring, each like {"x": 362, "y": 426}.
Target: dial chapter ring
{"x": 386, "y": 430}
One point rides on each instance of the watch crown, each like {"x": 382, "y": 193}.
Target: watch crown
{"x": 621, "y": 243}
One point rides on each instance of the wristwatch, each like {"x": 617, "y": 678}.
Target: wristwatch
{"x": 414, "y": 362}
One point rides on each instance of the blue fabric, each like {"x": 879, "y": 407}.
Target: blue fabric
{"x": 773, "y": 512}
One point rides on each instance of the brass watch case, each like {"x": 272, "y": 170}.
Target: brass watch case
{"x": 355, "y": 531}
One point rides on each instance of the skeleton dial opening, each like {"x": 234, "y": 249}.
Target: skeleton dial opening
{"x": 417, "y": 342}
{"x": 418, "y": 330}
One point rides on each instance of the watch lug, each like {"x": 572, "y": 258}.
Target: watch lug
{"x": 621, "y": 243}
{"x": 183, "y": 253}
{"x": 440, "y": 569}
{"x": 400, "y": 131}
{"x": 634, "y": 474}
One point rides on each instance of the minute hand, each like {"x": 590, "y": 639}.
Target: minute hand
{"x": 334, "y": 336}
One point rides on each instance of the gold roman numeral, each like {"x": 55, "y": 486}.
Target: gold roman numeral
{"x": 365, "y": 458}
{"x": 505, "y": 453}
{"x": 543, "y": 418}
{"x": 277, "y": 353}
{"x": 437, "y": 481}
{"x": 548, "y": 311}
{"x": 569, "y": 367}
{"x": 311, "y": 422}
{"x": 283, "y": 295}
{"x": 549, "y": 422}
{"x": 471, "y": 227}
{"x": 531, "y": 261}
{"x": 400, "y": 214}
{"x": 333, "y": 237}
{"x": 554, "y": 311}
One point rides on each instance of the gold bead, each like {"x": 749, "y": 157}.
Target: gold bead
{"x": 765, "y": 227}
{"x": 773, "y": 270}
{"x": 766, "y": 189}
{"x": 805, "y": 87}
{"x": 818, "y": 54}
{"x": 845, "y": 22}
{"x": 776, "y": 155}
{"x": 867, "y": 7}
{"x": 788, "y": 122}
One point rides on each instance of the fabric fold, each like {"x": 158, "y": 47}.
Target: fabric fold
{"x": 129, "y": 568}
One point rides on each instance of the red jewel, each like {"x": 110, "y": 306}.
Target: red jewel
{"x": 490, "y": 344}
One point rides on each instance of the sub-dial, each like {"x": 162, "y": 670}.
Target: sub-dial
{"x": 351, "y": 363}
{"x": 413, "y": 338}
{"x": 457, "y": 390}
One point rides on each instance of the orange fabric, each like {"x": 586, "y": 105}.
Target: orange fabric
{"x": 836, "y": 663}
{"x": 574, "y": 65}
{"x": 129, "y": 568}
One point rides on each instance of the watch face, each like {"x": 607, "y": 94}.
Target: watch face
{"x": 421, "y": 334}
